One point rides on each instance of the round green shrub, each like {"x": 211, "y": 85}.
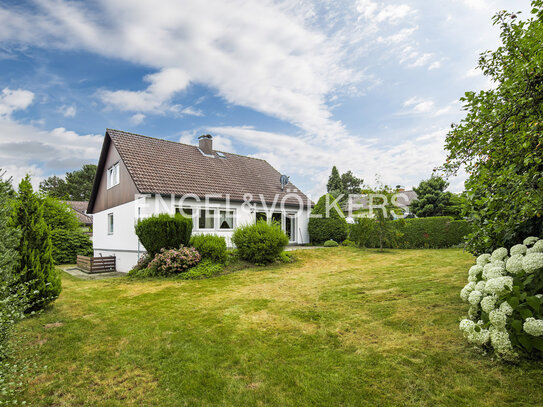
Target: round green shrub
{"x": 348, "y": 243}
{"x": 330, "y": 243}
{"x": 210, "y": 247}
{"x": 260, "y": 243}
{"x": 164, "y": 232}
{"x": 329, "y": 226}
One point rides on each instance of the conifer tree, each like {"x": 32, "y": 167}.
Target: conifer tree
{"x": 35, "y": 264}
{"x": 335, "y": 185}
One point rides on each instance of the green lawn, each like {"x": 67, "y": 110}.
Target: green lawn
{"x": 341, "y": 327}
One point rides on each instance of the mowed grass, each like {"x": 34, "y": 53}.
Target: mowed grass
{"x": 341, "y": 327}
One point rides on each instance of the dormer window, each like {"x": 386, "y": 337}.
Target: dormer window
{"x": 113, "y": 176}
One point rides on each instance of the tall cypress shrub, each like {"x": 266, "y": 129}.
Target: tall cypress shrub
{"x": 35, "y": 264}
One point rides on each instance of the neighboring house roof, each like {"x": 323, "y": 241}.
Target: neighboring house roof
{"x": 80, "y": 209}
{"x": 166, "y": 167}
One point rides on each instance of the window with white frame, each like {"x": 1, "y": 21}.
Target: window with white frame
{"x": 185, "y": 211}
{"x": 206, "y": 219}
{"x": 109, "y": 223}
{"x": 113, "y": 175}
{"x": 226, "y": 219}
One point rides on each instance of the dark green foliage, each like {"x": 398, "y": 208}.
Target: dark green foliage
{"x": 286, "y": 257}
{"x": 432, "y": 200}
{"x": 9, "y": 236}
{"x": 164, "y": 232}
{"x": 35, "y": 265}
{"x": 211, "y": 247}
{"x": 204, "y": 269}
{"x": 67, "y": 244}
{"x": 334, "y": 185}
{"x": 260, "y": 243}
{"x": 351, "y": 184}
{"x": 330, "y": 243}
{"x": 417, "y": 233}
{"x": 331, "y": 225}
{"x": 500, "y": 140}
{"x": 77, "y": 185}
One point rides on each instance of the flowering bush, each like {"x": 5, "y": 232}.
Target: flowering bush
{"x": 505, "y": 294}
{"x": 173, "y": 261}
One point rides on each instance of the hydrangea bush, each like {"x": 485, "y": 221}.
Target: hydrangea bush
{"x": 173, "y": 261}
{"x": 505, "y": 295}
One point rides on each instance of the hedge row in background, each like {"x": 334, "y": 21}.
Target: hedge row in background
{"x": 164, "y": 232}
{"x": 418, "y": 233}
{"x": 331, "y": 225}
{"x": 67, "y": 244}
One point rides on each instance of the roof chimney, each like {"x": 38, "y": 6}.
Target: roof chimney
{"x": 205, "y": 142}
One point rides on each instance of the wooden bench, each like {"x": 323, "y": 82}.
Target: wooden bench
{"x": 96, "y": 264}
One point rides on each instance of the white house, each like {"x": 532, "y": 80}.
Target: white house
{"x": 139, "y": 176}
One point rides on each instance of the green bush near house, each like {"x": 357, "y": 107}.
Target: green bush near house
{"x": 416, "y": 233}
{"x": 348, "y": 243}
{"x": 329, "y": 226}
{"x": 164, "y": 232}
{"x": 210, "y": 247}
{"x": 260, "y": 243}
{"x": 67, "y": 244}
{"x": 205, "y": 269}
{"x": 331, "y": 243}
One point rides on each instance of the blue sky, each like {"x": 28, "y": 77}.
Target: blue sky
{"x": 370, "y": 86}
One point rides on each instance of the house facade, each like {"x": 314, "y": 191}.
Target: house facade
{"x": 140, "y": 176}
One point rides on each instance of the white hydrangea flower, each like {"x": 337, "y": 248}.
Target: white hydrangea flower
{"x": 514, "y": 263}
{"x": 538, "y": 246}
{"x": 483, "y": 259}
{"x": 497, "y": 318}
{"x": 488, "y": 303}
{"x": 533, "y": 326}
{"x": 474, "y": 272}
{"x": 466, "y": 325}
{"x": 506, "y": 308}
{"x": 479, "y": 337}
{"x": 539, "y": 296}
{"x": 465, "y": 292}
{"x": 493, "y": 272}
{"x": 502, "y": 344}
{"x": 475, "y": 297}
{"x": 499, "y": 254}
{"x": 532, "y": 262}
{"x": 499, "y": 285}
{"x": 518, "y": 249}
{"x": 480, "y": 286}
{"x": 530, "y": 240}
{"x": 499, "y": 263}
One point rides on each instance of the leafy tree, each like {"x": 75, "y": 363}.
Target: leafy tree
{"x": 432, "y": 200}
{"x": 383, "y": 213}
{"x": 59, "y": 215}
{"x": 334, "y": 185}
{"x": 77, "y": 185}
{"x": 500, "y": 141}
{"x": 35, "y": 266}
{"x": 351, "y": 184}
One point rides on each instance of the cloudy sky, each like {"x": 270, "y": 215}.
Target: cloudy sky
{"x": 370, "y": 86}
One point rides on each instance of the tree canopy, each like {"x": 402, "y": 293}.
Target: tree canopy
{"x": 345, "y": 184}
{"x": 77, "y": 185}
{"x": 432, "y": 199}
{"x": 500, "y": 140}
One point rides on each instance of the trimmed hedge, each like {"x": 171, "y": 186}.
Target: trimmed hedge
{"x": 67, "y": 244}
{"x": 416, "y": 233}
{"x": 164, "y": 232}
{"x": 260, "y": 243}
{"x": 331, "y": 226}
{"x": 210, "y": 247}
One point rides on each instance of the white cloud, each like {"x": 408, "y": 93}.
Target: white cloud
{"x": 12, "y": 100}
{"x": 25, "y": 148}
{"x": 68, "y": 111}
{"x": 138, "y": 118}
{"x": 378, "y": 13}
{"x": 418, "y": 105}
{"x": 192, "y": 111}
{"x": 473, "y": 73}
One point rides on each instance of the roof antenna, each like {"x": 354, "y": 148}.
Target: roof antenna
{"x": 284, "y": 181}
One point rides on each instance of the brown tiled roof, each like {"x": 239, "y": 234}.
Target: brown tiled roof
{"x": 166, "y": 167}
{"x": 80, "y": 209}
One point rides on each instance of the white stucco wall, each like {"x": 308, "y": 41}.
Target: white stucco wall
{"x": 123, "y": 242}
